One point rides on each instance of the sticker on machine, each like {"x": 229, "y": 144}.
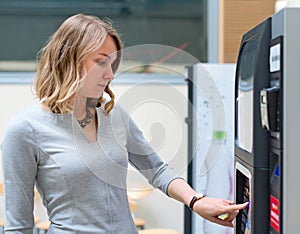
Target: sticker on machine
{"x": 275, "y": 58}
{"x": 275, "y": 213}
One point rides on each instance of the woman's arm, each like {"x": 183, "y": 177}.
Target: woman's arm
{"x": 19, "y": 170}
{"x": 208, "y": 208}
{"x": 159, "y": 174}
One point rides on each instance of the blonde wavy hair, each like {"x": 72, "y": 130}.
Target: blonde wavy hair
{"x": 60, "y": 69}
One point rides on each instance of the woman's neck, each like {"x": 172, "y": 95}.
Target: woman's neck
{"x": 82, "y": 106}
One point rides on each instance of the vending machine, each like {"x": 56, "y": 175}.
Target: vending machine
{"x": 251, "y": 139}
{"x": 267, "y": 115}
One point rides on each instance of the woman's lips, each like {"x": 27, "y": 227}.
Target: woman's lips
{"x": 103, "y": 86}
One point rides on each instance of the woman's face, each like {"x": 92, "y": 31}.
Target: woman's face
{"x": 98, "y": 69}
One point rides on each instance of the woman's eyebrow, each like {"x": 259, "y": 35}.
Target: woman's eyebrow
{"x": 106, "y": 55}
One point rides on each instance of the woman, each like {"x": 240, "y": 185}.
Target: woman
{"x": 75, "y": 146}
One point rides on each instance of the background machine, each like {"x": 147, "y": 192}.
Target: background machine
{"x": 267, "y": 115}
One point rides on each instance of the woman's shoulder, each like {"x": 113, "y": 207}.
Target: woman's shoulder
{"x": 117, "y": 116}
{"x": 21, "y": 120}
{"x": 117, "y": 109}
{"x": 121, "y": 111}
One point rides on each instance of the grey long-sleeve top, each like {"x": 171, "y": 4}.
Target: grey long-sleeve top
{"x": 82, "y": 183}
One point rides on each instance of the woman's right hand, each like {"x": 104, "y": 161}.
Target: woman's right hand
{"x": 211, "y": 209}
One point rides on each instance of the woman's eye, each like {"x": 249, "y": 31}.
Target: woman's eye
{"x": 102, "y": 62}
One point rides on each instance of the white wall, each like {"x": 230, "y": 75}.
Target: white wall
{"x": 165, "y": 112}
{"x": 167, "y": 105}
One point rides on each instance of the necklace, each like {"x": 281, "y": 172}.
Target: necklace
{"x": 86, "y": 120}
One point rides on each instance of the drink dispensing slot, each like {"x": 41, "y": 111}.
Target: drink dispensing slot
{"x": 268, "y": 105}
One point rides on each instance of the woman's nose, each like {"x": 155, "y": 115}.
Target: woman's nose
{"x": 109, "y": 74}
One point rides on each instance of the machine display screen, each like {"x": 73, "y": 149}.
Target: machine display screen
{"x": 245, "y": 74}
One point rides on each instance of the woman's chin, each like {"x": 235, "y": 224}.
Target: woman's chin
{"x": 96, "y": 95}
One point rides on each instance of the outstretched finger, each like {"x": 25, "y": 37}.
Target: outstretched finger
{"x": 237, "y": 206}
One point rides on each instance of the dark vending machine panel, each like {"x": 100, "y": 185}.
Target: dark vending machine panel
{"x": 251, "y": 148}
{"x": 243, "y": 192}
{"x": 251, "y": 185}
